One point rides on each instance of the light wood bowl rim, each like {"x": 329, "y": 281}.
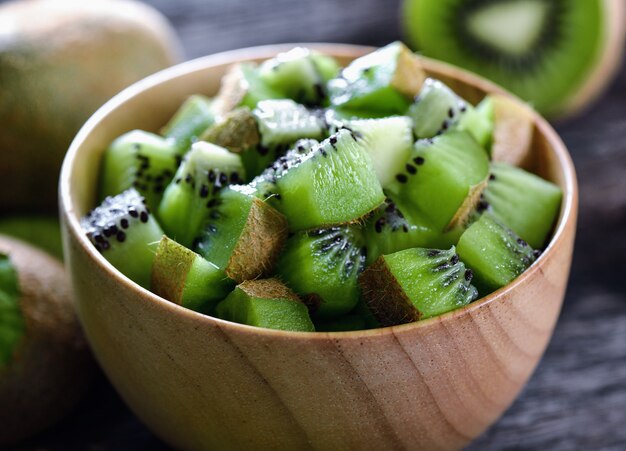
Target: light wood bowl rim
{"x": 66, "y": 203}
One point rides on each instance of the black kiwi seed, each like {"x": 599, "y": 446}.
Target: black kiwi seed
{"x": 211, "y": 176}
{"x": 177, "y": 181}
{"x": 405, "y": 228}
{"x": 445, "y": 125}
{"x": 333, "y": 141}
{"x": 124, "y": 223}
{"x": 492, "y": 176}
{"x": 419, "y": 160}
{"x": 468, "y": 275}
{"x": 143, "y": 217}
{"x": 433, "y": 252}
{"x": 234, "y": 177}
{"x": 204, "y": 191}
{"x": 521, "y": 242}
{"x": 121, "y": 236}
{"x": 401, "y": 178}
{"x": 223, "y": 178}
{"x": 536, "y": 253}
{"x": 212, "y": 203}
{"x": 455, "y": 259}
{"x": 98, "y": 238}
{"x": 379, "y": 224}
{"x": 188, "y": 178}
{"x": 450, "y": 113}
{"x": 411, "y": 169}
{"x": 105, "y": 245}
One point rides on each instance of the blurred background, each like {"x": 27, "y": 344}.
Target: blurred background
{"x": 577, "y": 397}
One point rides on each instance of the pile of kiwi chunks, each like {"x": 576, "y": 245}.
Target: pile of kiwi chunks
{"x": 308, "y": 197}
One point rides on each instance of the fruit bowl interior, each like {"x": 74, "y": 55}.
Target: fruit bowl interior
{"x": 200, "y": 382}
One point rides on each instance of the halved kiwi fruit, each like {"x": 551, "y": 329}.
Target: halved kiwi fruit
{"x": 556, "y": 54}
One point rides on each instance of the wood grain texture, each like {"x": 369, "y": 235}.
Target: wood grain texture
{"x": 576, "y": 398}
{"x": 203, "y": 383}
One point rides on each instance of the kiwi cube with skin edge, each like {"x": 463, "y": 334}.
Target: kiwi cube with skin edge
{"x": 185, "y": 278}
{"x": 265, "y": 303}
{"x": 243, "y": 235}
{"x": 416, "y": 284}
{"x": 385, "y": 80}
{"x": 317, "y": 192}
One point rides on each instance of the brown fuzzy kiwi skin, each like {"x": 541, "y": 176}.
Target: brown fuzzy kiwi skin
{"x": 409, "y": 76}
{"x": 237, "y": 131}
{"x": 59, "y": 62}
{"x": 468, "y": 206}
{"x": 52, "y": 366}
{"x": 384, "y": 296}
{"x": 168, "y": 280}
{"x": 259, "y": 245}
{"x": 268, "y": 289}
{"x": 513, "y": 130}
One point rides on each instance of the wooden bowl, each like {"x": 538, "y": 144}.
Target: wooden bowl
{"x": 203, "y": 383}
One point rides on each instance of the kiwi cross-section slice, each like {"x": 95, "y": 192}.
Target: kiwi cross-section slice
{"x": 266, "y": 303}
{"x": 12, "y": 325}
{"x": 205, "y": 170}
{"x": 125, "y": 232}
{"x": 193, "y": 117}
{"x": 243, "y": 235}
{"x": 141, "y": 160}
{"x": 416, "y": 284}
{"x": 385, "y": 81}
{"x": 185, "y": 278}
{"x": 443, "y": 179}
{"x": 494, "y": 252}
{"x": 299, "y": 74}
{"x": 557, "y": 54}
{"x": 322, "y": 266}
{"x": 319, "y": 190}
{"x": 526, "y": 203}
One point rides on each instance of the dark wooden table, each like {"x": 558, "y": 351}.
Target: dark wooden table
{"x": 577, "y": 397}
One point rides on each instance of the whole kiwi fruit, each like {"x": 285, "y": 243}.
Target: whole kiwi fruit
{"x": 558, "y": 55}
{"x": 59, "y": 61}
{"x": 47, "y": 366}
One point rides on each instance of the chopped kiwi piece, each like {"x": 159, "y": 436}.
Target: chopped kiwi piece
{"x": 126, "y": 234}
{"x": 416, "y": 284}
{"x": 243, "y": 235}
{"x": 141, "y": 160}
{"x": 542, "y": 50}
{"x": 264, "y": 184}
{"x": 437, "y": 109}
{"x": 189, "y": 122}
{"x": 443, "y": 179}
{"x": 283, "y": 122}
{"x": 495, "y": 254}
{"x": 299, "y": 74}
{"x": 477, "y": 123}
{"x": 388, "y": 142}
{"x": 266, "y": 303}
{"x": 237, "y": 131}
{"x": 385, "y": 81}
{"x": 12, "y": 326}
{"x": 322, "y": 266}
{"x": 41, "y": 231}
{"x": 319, "y": 191}
{"x": 513, "y": 129}
{"x": 185, "y": 206}
{"x": 242, "y": 87}
{"x": 526, "y": 203}
{"x": 184, "y": 278}
{"x": 389, "y": 230}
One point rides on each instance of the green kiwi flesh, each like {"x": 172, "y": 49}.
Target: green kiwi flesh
{"x": 193, "y": 117}
{"x": 283, "y": 122}
{"x": 299, "y": 74}
{"x": 385, "y": 80}
{"x": 12, "y": 326}
{"x": 185, "y": 278}
{"x": 322, "y": 266}
{"x": 125, "y": 232}
{"x": 141, "y": 160}
{"x": 38, "y": 230}
{"x": 494, "y": 253}
{"x": 542, "y": 50}
{"x": 265, "y": 303}
{"x": 186, "y": 203}
{"x": 317, "y": 192}
{"x": 524, "y": 202}
{"x": 443, "y": 179}
{"x": 243, "y": 235}
{"x": 416, "y": 284}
